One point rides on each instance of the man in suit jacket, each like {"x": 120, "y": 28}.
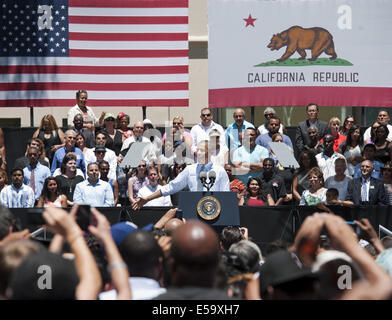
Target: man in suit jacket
{"x": 301, "y": 136}
{"x": 366, "y": 190}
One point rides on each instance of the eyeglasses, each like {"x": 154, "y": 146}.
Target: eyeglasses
{"x": 141, "y": 166}
{"x": 100, "y": 152}
{"x": 206, "y": 115}
{"x": 176, "y": 123}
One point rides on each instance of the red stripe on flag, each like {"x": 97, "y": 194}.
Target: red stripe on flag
{"x": 19, "y": 69}
{"x": 300, "y": 96}
{"x": 127, "y": 20}
{"x": 127, "y": 53}
{"x": 95, "y": 103}
{"x": 128, "y": 36}
{"x": 26, "y": 86}
{"x": 129, "y": 3}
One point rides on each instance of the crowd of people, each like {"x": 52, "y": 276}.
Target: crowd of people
{"x": 178, "y": 259}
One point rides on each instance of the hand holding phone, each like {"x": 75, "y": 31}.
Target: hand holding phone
{"x": 84, "y": 218}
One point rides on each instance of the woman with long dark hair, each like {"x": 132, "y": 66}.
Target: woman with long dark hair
{"x": 352, "y": 148}
{"x": 347, "y": 124}
{"x": 137, "y": 181}
{"x": 307, "y": 160}
{"x": 51, "y": 196}
{"x": 255, "y": 195}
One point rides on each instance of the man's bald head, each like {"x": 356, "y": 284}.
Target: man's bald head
{"x": 195, "y": 254}
{"x": 172, "y": 225}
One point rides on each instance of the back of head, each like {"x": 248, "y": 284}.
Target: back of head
{"x": 249, "y": 253}
{"x": 387, "y": 242}
{"x": 44, "y": 276}
{"x": 142, "y": 254}
{"x": 7, "y": 220}
{"x": 172, "y": 225}
{"x": 195, "y": 255}
{"x": 230, "y": 235}
{"x": 11, "y": 256}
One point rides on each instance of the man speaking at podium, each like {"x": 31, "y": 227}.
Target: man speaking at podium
{"x": 194, "y": 176}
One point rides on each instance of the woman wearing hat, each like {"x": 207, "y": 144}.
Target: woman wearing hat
{"x": 386, "y": 172}
{"x": 114, "y": 136}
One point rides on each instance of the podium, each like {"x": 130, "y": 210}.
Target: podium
{"x": 218, "y": 209}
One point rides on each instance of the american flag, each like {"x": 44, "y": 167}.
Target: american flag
{"x": 123, "y": 52}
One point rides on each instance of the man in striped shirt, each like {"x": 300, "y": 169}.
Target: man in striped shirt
{"x": 17, "y": 195}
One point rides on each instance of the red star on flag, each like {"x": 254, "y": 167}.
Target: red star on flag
{"x": 250, "y": 21}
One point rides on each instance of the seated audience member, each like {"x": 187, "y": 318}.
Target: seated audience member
{"x": 326, "y": 159}
{"x": 316, "y": 192}
{"x": 51, "y": 195}
{"x": 3, "y": 179}
{"x": 151, "y": 187}
{"x": 255, "y": 195}
{"x": 236, "y": 185}
{"x": 101, "y": 153}
{"x": 81, "y": 144}
{"x": 301, "y": 136}
{"x": 50, "y": 134}
{"x": 315, "y": 144}
{"x": 347, "y": 124}
{"x": 366, "y": 190}
{"x": 386, "y": 173}
{"x": 271, "y": 182}
{"x": 352, "y": 148}
{"x": 334, "y": 125}
{"x": 144, "y": 258}
{"x": 194, "y": 256}
{"x": 70, "y": 141}
{"x": 307, "y": 161}
{"x": 200, "y": 131}
{"x": 180, "y": 135}
{"x": 219, "y": 153}
{"x": 69, "y": 178}
{"x": 104, "y": 169}
{"x": 268, "y": 114}
{"x": 332, "y": 199}
{"x": 122, "y": 179}
{"x": 277, "y": 137}
{"x": 137, "y": 181}
{"x": 230, "y": 235}
{"x": 90, "y": 121}
{"x": 94, "y": 191}
{"x": 382, "y": 118}
{"x": 17, "y": 195}
{"x": 174, "y": 171}
{"x": 23, "y": 162}
{"x": 123, "y": 125}
{"x": 234, "y": 129}
{"x": 273, "y": 125}
{"x": 373, "y": 129}
{"x": 42, "y": 153}
{"x": 114, "y": 136}
{"x": 248, "y": 159}
{"x": 383, "y": 145}
{"x": 339, "y": 181}
{"x": 88, "y": 135}
{"x": 138, "y": 130}
{"x": 34, "y": 174}
{"x": 369, "y": 153}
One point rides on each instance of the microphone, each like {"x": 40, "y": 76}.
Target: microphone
{"x": 203, "y": 177}
{"x": 212, "y": 177}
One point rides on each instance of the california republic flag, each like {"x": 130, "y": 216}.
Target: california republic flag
{"x": 290, "y": 52}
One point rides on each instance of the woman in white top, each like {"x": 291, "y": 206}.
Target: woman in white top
{"x": 352, "y": 148}
{"x": 339, "y": 181}
{"x": 316, "y": 193}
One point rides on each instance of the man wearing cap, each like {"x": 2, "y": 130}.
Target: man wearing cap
{"x": 201, "y": 130}
{"x": 268, "y": 113}
{"x": 190, "y": 177}
{"x": 233, "y": 131}
{"x": 87, "y": 134}
{"x": 100, "y": 153}
{"x": 94, "y": 191}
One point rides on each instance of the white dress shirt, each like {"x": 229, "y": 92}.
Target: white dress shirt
{"x": 366, "y": 135}
{"x": 110, "y": 157}
{"x": 327, "y": 164}
{"x": 188, "y": 177}
{"x": 200, "y": 133}
{"x": 158, "y": 202}
{"x": 98, "y": 195}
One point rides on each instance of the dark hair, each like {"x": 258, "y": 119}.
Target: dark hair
{"x": 7, "y": 220}
{"x": 45, "y": 192}
{"x": 312, "y": 104}
{"x": 173, "y": 168}
{"x": 68, "y": 157}
{"x": 230, "y": 235}
{"x": 386, "y": 132}
{"x": 142, "y": 254}
{"x": 17, "y": 169}
{"x": 344, "y": 129}
{"x": 313, "y": 161}
{"x": 103, "y": 162}
{"x": 333, "y": 192}
{"x": 269, "y": 120}
{"x": 349, "y": 140}
{"x": 369, "y": 145}
{"x": 150, "y": 168}
{"x": 262, "y": 195}
{"x": 79, "y": 92}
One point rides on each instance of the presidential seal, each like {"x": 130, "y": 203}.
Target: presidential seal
{"x": 208, "y": 208}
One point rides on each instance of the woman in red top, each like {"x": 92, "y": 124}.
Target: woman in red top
{"x": 334, "y": 126}
{"x": 255, "y": 196}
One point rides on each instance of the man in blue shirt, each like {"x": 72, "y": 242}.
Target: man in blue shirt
{"x": 273, "y": 125}
{"x": 70, "y": 140}
{"x": 233, "y": 130}
{"x": 369, "y": 153}
{"x": 35, "y": 173}
{"x": 94, "y": 191}
{"x": 248, "y": 159}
